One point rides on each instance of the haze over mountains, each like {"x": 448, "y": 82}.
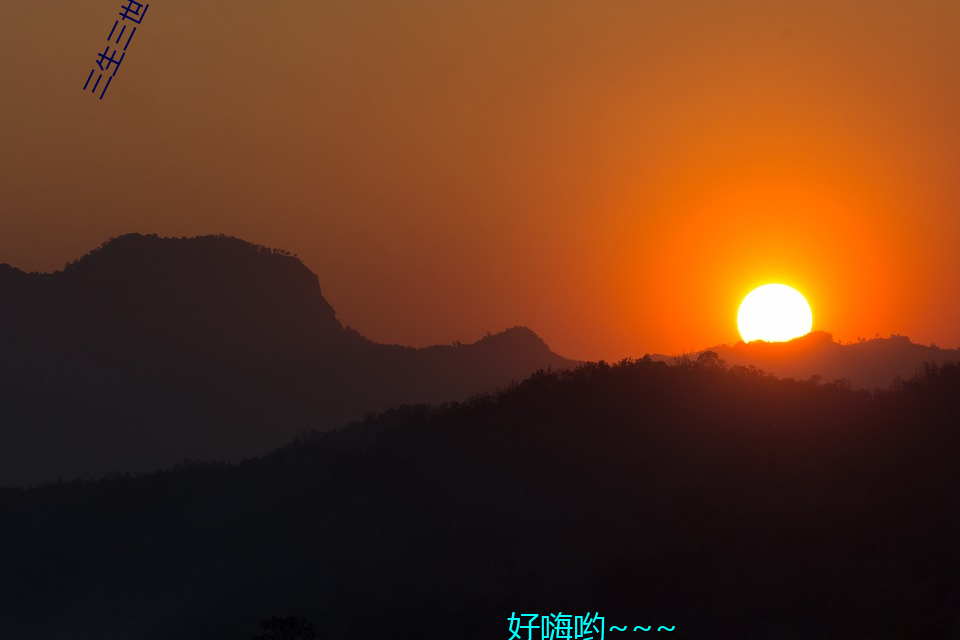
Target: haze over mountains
{"x": 706, "y": 496}
{"x": 870, "y": 364}
{"x": 149, "y": 351}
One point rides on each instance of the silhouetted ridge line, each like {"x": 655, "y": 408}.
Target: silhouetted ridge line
{"x": 149, "y": 350}
{"x": 870, "y": 364}
{"x": 716, "y": 496}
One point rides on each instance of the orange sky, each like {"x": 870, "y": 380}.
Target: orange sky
{"x": 615, "y": 174}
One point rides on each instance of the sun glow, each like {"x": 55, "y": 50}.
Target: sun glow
{"x": 774, "y": 313}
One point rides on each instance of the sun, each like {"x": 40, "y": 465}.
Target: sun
{"x": 774, "y": 313}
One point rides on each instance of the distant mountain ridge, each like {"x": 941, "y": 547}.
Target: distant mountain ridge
{"x": 870, "y": 364}
{"x": 151, "y": 350}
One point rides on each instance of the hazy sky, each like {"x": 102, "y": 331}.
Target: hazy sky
{"x": 615, "y": 174}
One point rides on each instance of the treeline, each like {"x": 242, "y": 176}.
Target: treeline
{"x": 715, "y": 499}
{"x": 110, "y": 243}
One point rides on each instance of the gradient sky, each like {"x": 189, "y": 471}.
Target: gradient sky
{"x": 615, "y": 174}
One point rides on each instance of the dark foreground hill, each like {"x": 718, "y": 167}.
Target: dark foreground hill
{"x": 149, "y": 351}
{"x": 870, "y": 364}
{"x": 721, "y": 502}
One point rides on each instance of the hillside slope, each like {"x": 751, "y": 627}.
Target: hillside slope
{"x": 719, "y": 501}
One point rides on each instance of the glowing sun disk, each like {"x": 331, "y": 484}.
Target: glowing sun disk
{"x": 774, "y": 313}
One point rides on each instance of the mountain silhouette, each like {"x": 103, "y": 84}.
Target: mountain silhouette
{"x": 149, "y": 350}
{"x": 717, "y": 500}
{"x": 870, "y": 364}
